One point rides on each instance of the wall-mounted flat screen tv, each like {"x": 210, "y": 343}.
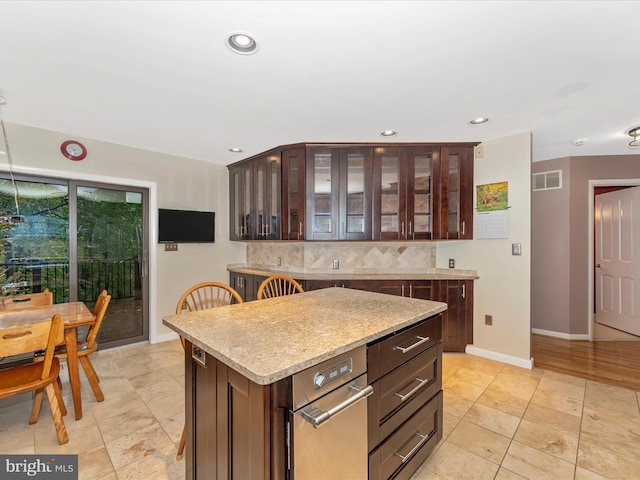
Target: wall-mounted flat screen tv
{"x": 186, "y": 226}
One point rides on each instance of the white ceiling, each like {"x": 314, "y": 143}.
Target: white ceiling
{"x": 158, "y": 75}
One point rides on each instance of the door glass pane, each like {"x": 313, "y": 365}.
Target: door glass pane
{"x": 260, "y": 200}
{"x": 390, "y": 207}
{"x": 292, "y": 194}
{"x": 34, "y": 243}
{"x": 422, "y": 195}
{"x": 322, "y": 193}
{"x": 273, "y": 227}
{"x": 453, "y": 194}
{"x": 237, "y": 205}
{"x": 110, "y": 252}
{"x": 355, "y": 193}
{"x": 246, "y": 203}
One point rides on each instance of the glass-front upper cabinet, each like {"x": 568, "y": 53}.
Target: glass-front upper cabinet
{"x": 456, "y": 196}
{"x": 267, "y": 197}
{"x": 403, "y": 202}
{"x": 339, "y": 193}
{"x": 293, "y": 194}
{"x": 240, "y": 189}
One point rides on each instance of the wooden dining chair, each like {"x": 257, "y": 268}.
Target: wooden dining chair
{"x": 278, "y": 286}
{"x": 39, "y": 376}
{"x": 86, "y": 346}
{"x": 200, "y": 297}
{"x": 28, "y": 300}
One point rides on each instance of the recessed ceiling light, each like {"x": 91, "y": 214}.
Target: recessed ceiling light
{"x": 478, "y": 121}
{"x": 242, "y": 43}
{"x": 235, "y": 150}
{"x": 388, "y": 133}
{"x": 578, "y": 142}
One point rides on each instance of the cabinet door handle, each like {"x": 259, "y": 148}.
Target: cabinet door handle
{"x": 411, "y": 290}
{"x": 402, "y": 291}
{"x": 402, "y": 229}
{"x": 464, "y": 291}
{"x": 420, "y": 341}
{"x": 423, "y": 439}
{"x": 299, "y": 230}
{"x": 463, "y": 225}
{"x": 410, "y": 229}
{"x": 318, "y": 418}
{"x": 422, "y": 383}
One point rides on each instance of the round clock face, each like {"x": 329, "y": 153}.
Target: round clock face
{"x": 73, "y": 150}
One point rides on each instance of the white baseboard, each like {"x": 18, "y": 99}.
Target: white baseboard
{"x": 165, "y": 338}
{"x": 564, "y": 336}
{"x": 500, "y": 357}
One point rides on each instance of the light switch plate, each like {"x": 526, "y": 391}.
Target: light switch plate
{"x": 170, "y": 247}
{"x": 516, "y": 249}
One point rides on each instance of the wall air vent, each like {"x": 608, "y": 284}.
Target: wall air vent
{"x": 547, "y": 180}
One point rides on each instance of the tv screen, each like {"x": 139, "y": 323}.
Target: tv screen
{"x": 185, "y": 226}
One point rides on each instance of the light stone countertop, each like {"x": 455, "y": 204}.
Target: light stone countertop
{"x": 268, "y": 340}
{"x": 438, "y": 274}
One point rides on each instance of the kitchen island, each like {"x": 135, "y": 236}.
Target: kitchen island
{"x": 241, "y": 362}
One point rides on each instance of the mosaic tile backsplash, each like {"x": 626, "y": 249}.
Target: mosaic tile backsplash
{"x": 353, "y": 257}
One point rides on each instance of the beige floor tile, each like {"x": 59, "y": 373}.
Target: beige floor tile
{"x": 536, "y": 465}
{"x": 94, "y": 464}
{"x": 583, "y": 474}
{"x": 608, "y": 463}
{"x": 504, "y": 474}
{"x": 564, "y": 378}
{"x": 492, "y": 419}
{"x": 168, "y": 406}
{"x": 153, "y": 466}
{"x": 546, "y": 398}
{"x": 124, "y": 423}
{"x": 462, "y": 389}
{"x": 560, "y": 387}
{"x": 456, "y": 405}
{"x": 484, "y": 443}
{"x": 473, "y": 377}
{"x": 548, "y": 440}
{"x": 81, "y": 439}
{"x": 18, "y": 440}
{"x": 612, "y": 397}
{"x": 449, "y": 422}
{"x": 425, "y": 474}
{"x": 611, "y": 429}
{"x": 520, "y": 387}
{"x": 163, "y": 386}
{"x": 149, "y": 441}
{"x": 563, "y": 422}
{"x": 117, "y": 404}
{"x": 534, "y": 373}
{"x": 173, "y": 426}
{"x": 455, "y": 463}
{"x": 495, "y": 397}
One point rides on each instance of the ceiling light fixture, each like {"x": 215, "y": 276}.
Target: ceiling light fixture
{"x": 634, "y": 133}
{"x": 235, "y": 150}
{"x": 478, "y": 121}
{"x": 242, "y": 43}
{"x": 388, "y": 133}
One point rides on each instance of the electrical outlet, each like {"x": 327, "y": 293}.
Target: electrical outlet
{"x": 279, "y": 261}
{"x": 479, "y": 152}
{"x": 488, "y": 319}
{"x": 336, "y": 264}
{"x": 452, "y": 263}
{"x": 170, "y": 247}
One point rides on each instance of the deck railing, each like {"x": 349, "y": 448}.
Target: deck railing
{"x": 119, "y": 276}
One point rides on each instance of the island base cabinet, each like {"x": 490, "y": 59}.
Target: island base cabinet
{"x": 400, "y": 455}
{"x": 234, "y": 427}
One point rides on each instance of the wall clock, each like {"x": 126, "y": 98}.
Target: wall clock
{"x": 73, "y": 150}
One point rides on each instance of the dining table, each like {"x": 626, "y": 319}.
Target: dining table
{"x": 75, "y": 315}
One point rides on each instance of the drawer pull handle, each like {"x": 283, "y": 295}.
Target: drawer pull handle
{"x": 420, "y": 341}
{"x": 414, "y": 389}
{"x": 423, "y": 439}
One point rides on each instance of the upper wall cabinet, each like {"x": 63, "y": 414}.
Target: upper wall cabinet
{"x": 354, "y": 192}
{"x": 339, "y": 193}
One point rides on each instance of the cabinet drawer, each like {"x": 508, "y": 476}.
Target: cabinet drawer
{"x": 391, "y": 352}
{"x": 399, "y": 394}
{"x": 404, "y": 451}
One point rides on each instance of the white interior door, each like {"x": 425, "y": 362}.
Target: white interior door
{"x": 617, "y": 269}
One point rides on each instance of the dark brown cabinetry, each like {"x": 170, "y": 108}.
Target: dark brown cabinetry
{"x": 246, "y": 284}
{"x": 255, "y": 198}
{"x": 354, "y": 192}
{"x": 239, "y": 432}
{"x": 339, "y": 193}
{"x": 405, "y": 410}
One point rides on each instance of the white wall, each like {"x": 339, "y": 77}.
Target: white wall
{"x": 174, "y": 182}
{"x": 504, "y": 287}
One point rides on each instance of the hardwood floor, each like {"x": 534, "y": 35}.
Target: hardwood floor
{"x": 612, "y": 362}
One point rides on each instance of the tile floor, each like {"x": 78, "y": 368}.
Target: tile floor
{"x": 500, "y": 422}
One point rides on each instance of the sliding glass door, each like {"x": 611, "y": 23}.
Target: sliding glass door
{"x": 77, "y": 239}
